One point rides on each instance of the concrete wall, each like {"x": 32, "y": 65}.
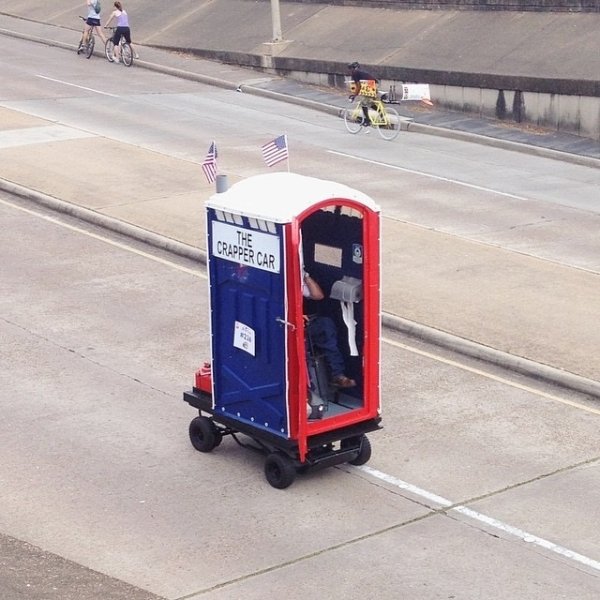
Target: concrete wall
{"x": 579, "y": 115}
{"x": 493, "y": 5}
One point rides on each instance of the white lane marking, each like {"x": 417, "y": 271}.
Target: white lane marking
{"x": 11, "y": 138}
{"x": 489, "y": 521}
{"x": 409, "y": 487}
{"x": 81, "y": 87}
{"x": 430, "y": 175}
{"x": 417, "y": 491}
{"x": 491, "y": 376}
{"x": 101, "y": 238}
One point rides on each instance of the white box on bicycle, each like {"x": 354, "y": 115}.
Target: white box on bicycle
{"x": 415, "y": 91}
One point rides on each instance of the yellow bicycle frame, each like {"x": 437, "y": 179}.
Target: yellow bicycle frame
{"x": 377, "y": 113}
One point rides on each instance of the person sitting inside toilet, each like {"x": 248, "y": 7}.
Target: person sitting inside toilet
{"x": 323, "y": 335}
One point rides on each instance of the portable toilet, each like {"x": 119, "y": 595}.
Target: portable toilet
{"x": 268, "y": 236}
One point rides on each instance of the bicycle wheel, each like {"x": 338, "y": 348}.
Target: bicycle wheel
{"x": 391, "y": 128}
{"x": 126, "y": 54}
{"x": 353, "y": 119}
{"x": 90, "y": 46}
{"x": 109, "y": 49}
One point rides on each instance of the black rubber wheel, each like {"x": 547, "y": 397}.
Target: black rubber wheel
{"x": 353, "y": 119}
{"x": 204, "y": 435}
{"x": 109, "y": 49}
{"x": 90, "y": 45}
{"x": 126, "y": 55}
{"x": 391, "y": 130}
{"x": 364, "y": 453}
{"x": 279, "y": 470}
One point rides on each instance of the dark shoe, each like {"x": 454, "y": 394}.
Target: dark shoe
{"x": 343, "y": 382}
{"x": 316, "y": 412}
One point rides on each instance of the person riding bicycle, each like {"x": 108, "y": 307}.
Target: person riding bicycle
{"x": 92, "y": 21}
{"x": 122, "y": 30}
{"x": 364, "y": 88}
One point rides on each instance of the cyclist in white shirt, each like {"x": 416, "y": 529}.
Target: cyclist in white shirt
{"x": 92, "y": 20}
{"x": 122, "y": 30}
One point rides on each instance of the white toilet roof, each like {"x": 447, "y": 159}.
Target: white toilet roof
{"x": 280, "y": 197}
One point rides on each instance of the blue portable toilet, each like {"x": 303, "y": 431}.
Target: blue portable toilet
{"x": 262, "y": 234}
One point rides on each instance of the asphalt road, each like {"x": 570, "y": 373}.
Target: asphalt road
{"x": 482, "y": 484}
{"x": 100, "y": 337}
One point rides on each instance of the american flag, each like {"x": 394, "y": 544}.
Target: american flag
{"x": 209, "y": 166}
{"x": 275, "y": 151}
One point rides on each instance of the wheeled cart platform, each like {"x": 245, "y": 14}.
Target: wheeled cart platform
{"x": 344, "y": 445}
{"x": 273, "y": 381}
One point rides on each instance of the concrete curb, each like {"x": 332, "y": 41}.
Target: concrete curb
{"x": 115, "y": 225}
{"x": 428, "y": 334}
{"x": 320, "y": 106}
{"x": 39, "y": 40}
{"x": 490, "y": 355}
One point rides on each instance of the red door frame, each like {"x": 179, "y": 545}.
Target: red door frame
{"x": 300, "y": 428}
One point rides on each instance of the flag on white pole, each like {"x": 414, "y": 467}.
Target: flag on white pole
{"x": 209, "y": 166}
{"x": 275, "y": 151}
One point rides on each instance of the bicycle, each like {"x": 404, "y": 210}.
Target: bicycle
{"x": 125, "y": 50}
{"x": 385, "y": 119}
{"x": 87, "y": 47}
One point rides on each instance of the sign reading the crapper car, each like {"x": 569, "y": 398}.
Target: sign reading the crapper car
{"x": 246, "y": 247}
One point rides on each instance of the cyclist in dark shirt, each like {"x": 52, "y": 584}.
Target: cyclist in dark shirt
{"x": 365, "y": 89}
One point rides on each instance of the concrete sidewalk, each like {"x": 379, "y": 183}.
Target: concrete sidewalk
{"x": 511, "y": 313}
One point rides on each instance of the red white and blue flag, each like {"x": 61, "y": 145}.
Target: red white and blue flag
{"x": 209, "y": 166}
{"x": 275, "y": 151}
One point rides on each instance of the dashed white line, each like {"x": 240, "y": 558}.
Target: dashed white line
{"x": 525, "y": 536}
{"x": 430, "y": 175}
{"x": 81, "y": 87}
{"x": 106, "y": 240}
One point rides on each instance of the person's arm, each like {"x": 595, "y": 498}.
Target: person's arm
{"x": 314, "y": 289}
{"x": 356, "y": 90}
{"x": 112, "y": 14}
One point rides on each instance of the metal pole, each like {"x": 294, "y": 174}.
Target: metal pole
{"x": 222, "y": 184}
{"x": 276, "y": 18}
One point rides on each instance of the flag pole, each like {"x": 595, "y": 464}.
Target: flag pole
{"x": 288, "y": 151}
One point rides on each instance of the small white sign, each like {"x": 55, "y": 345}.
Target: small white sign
{"x": 246, "y": 246}
{"x": 243, "y": 338}
{"x": 415, "y": 91}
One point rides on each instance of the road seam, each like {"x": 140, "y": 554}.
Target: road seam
{"x": 448, "y": 507}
